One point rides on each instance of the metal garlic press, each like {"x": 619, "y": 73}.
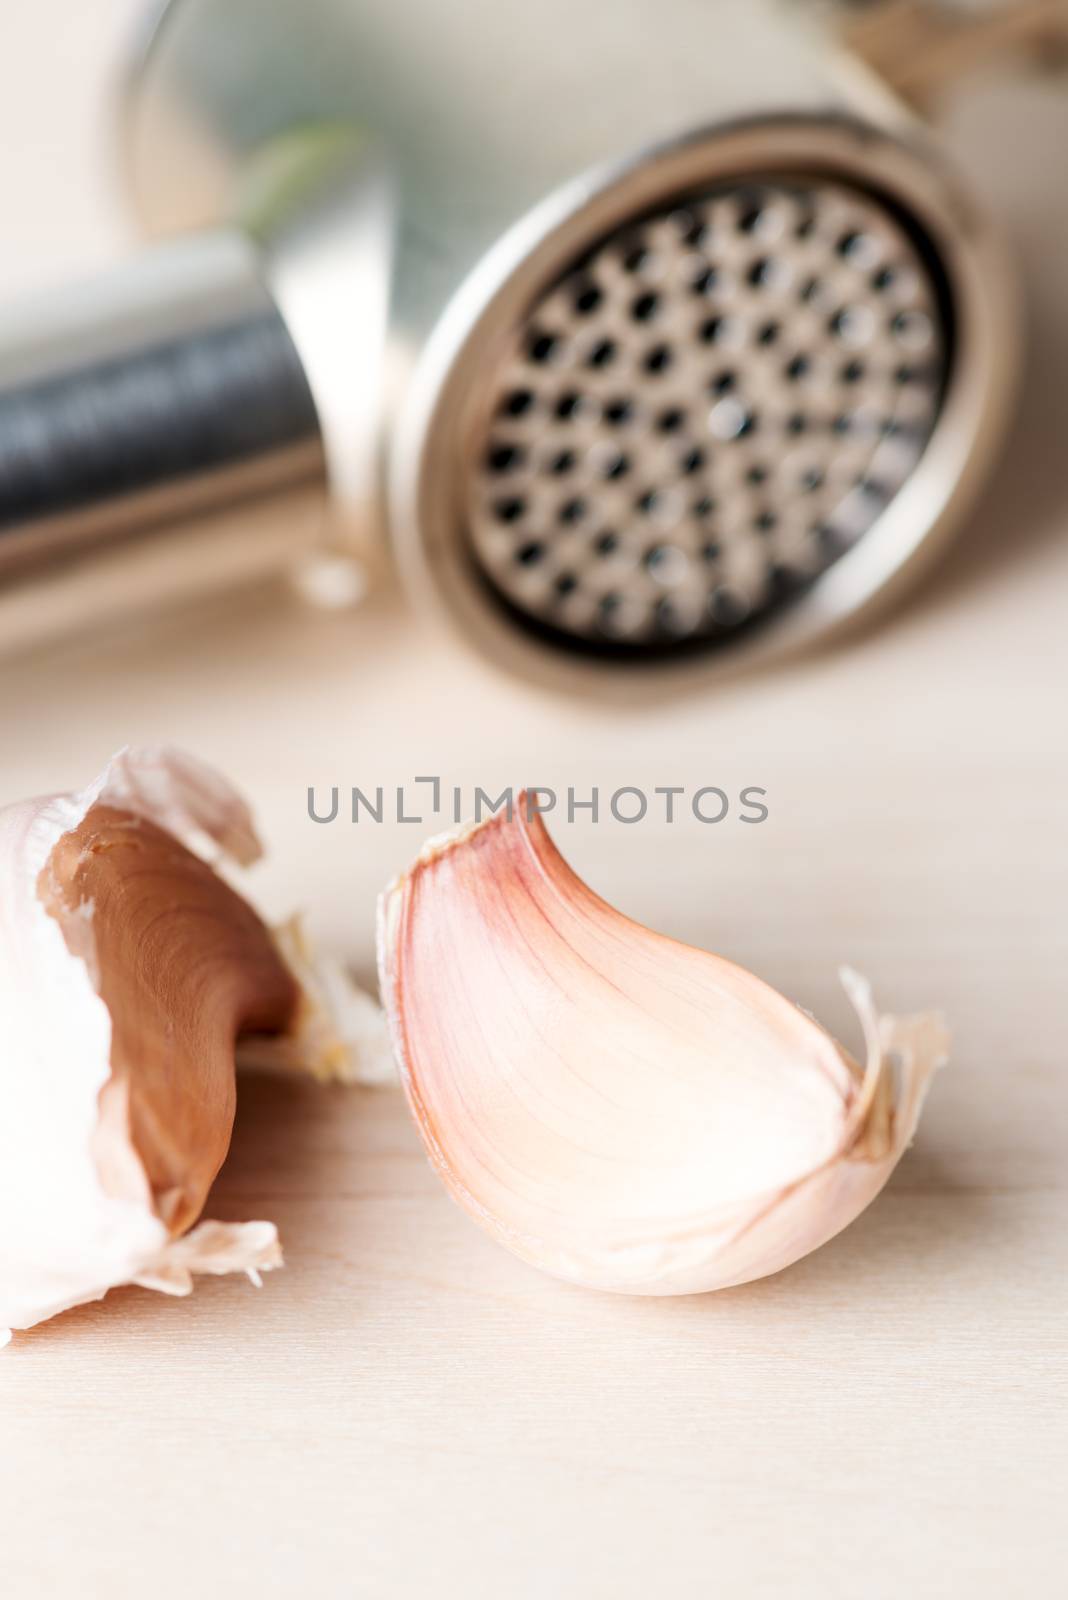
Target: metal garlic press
{"x": 646, "y": 340}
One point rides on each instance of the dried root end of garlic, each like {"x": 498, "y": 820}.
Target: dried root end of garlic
{"x": 130, "y": 971}
{"x": 617, "y": 1108}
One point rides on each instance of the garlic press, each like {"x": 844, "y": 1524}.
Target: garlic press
{"x": 645, "y": 342}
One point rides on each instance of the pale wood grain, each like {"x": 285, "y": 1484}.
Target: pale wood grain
{"x": 405, "y": 1410}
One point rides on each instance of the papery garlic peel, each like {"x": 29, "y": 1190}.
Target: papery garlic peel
{"x": 129, "y": 970}
{"x": 615, "y": 1107}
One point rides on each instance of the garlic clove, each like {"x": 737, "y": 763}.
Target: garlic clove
{"x": 617, "y": 1108}
{"x": 183, "y": 966}
{"x": 129, "y": 970}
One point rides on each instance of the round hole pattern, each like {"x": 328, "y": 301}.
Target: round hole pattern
{"x": 704, "y": 414}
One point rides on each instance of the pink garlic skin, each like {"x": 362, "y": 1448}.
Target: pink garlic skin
{"x": 617, "y": 1108}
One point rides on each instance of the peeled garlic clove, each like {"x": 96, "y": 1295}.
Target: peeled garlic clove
{"x": 128, "y": 969}
{"x": 615, "y": 1107}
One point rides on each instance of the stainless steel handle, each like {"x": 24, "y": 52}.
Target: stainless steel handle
{"x": 171, "y": 388}
{"x": 204, "y": 415}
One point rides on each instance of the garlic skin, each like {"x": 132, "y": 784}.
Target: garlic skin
{"x": 340, "y": 1034}
{"x": 104, "y": 1163}
{"x": 617, "y": 1108}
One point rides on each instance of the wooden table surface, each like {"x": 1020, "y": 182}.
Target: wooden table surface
{"x": 407, "y": 1411}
